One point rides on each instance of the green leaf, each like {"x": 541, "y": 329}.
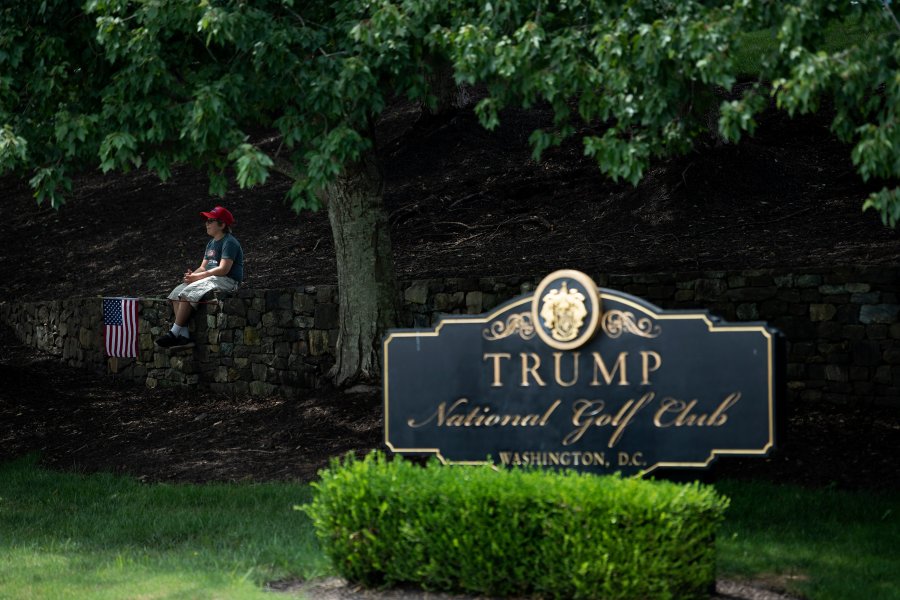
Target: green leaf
{"x": 49, "y": 184}
{"x": 13, "y": 149}
{"x": 887, "y": 203}
{"x": 252, "y": 165}
{"x": 487, "y": 111}
{"x": 117, "y": 151}
{"x": 218, "y": 183}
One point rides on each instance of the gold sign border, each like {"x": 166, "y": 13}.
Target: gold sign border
{"x": 607, "y": 295}
{"x": 590, "y": 288}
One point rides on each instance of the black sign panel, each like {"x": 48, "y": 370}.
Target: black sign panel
{"x": 579, "y": 377}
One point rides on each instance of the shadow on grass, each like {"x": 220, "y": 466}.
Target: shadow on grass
{"x": 821, "y": 543}
{"x": 105, "y": 536}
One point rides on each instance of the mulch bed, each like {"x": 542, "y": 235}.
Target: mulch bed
{"x": 465, "y": 202}
{"x": 334, "y": 588}
{"x": 83, "y": 421}
{"x": 77, "y": 420}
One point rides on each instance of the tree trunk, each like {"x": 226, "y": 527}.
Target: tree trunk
{"x": 365, "y": 267}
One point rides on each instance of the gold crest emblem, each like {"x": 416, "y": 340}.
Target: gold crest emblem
{"x": 565, "y": 309}
{"x": 563, "y": 312}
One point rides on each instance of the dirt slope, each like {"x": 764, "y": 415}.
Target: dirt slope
{"x": 464, "y": 202}
{"x": 467, "y": 202}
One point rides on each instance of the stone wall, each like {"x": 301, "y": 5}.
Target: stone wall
{"x": 252, "y": 342}
{"x": 842, "y": 327}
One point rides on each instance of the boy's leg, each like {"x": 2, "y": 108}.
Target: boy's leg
{"x": 174, "y": 296}
{"x": 184, "y": 301}
{"x": 181, "y": 307}
{"x": 183, "y": 310}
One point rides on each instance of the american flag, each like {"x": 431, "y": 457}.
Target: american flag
{"x": 121, "y": 326}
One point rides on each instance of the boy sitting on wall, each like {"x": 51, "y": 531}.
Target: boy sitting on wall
{"x": 222, "y": 268}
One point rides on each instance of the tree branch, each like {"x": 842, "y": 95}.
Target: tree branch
{"x": 887, "y": 9}
{"x": 285, "y": 167}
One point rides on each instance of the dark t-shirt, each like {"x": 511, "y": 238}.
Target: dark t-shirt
{"x": 228, "y": 247}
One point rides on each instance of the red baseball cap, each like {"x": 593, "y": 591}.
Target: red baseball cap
{"x": 220, "y": 213}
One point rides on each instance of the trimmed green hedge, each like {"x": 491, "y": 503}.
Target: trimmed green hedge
{"x": 475, "y": 529}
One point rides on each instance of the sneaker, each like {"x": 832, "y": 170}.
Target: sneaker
{"x": 170, "y": 340}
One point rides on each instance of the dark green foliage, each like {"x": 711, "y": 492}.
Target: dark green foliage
{"x": 559, "y": 535}
{"x": 120, "y": 84}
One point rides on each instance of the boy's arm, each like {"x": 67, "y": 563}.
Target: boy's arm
{"x": 192, "y": 276}
{"x": 223, "y": 269}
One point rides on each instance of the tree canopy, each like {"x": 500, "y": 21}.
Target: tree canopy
{"x": 165, "y": 82}
{"x": 650, "y": 72}
{"x": 120, "y": 84}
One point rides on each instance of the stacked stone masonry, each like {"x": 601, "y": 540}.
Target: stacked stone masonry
{"x": 842, "y": 326}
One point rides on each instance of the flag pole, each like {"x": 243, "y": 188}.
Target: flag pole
{"x": 158, "y": 299}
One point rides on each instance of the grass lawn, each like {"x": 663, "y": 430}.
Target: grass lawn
{"x": 823, "y": 544}
{"x": 100, "y": 536}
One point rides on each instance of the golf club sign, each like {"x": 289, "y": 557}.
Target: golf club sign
{"x": 576, "y": 376}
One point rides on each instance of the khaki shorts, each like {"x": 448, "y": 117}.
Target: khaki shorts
{"x": 194, "y": 292}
